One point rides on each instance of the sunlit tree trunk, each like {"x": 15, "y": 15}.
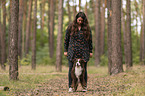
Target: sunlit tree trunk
{"x": 21, "y": 7}
{"x": 28, "y": 28}
{"x": 34, "y": 37}
{"x": 116, "y": 53}
{"x": 3, "y": 36}
{"x": 13, "y": 50}
{"x": 128, "y": 37}
{"x": 59, "y": 37}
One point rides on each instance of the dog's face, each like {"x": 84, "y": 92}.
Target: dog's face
{"x": 79, "y": 63}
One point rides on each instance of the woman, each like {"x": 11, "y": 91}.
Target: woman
{"x": 78, "y": 43}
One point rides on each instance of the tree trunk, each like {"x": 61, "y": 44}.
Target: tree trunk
{"x": 24, "y": 27}
{"x": 97, "y": 31}
{"x": 69, "y": 11}
{"x": 102, "y": 31}
{"x": 141, "y": 40}
{"x": 21, "y": 7}
{"x": 9, "y": 26}
{"x": 28, "y": 27}
{"x": 34, "y": 38}
{"x": 74, "y": 8}
{"x": 124, "y": 33}
{"x": 128, "y": 37}
{"x": 13, "y": 50}
{"x": 51, "y": 28}
{"x": 116, "y": 53}
{"x": 3, "y": 36}
{"x": 86, "y": 11}
{"x": 59, "y": 37}
{"x": 0, "y": 34}
{"x": 109, "y": 35}
{"x": 143, "y": 36}
{"x": 79, "y": 5}
{"x": 137, "y": 15}
{"x": 42, "y": 12}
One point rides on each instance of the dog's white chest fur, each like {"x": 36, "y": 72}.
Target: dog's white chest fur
{"x": 78, "y": 70}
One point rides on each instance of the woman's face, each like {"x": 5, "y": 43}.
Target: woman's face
{"x": 80, "y": 20}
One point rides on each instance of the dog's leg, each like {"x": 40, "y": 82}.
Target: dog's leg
{"x": 82, "y": 79}
{"x": 76, "y": 84}
{"x": 72, "y": 85}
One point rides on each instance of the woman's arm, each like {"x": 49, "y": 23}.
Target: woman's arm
{"x": 66, "y": 41}
{"x": 90, "y": 43}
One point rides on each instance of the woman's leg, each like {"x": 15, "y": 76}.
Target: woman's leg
{"x": 86, "y": 73}
{"x": 69, "y": 74}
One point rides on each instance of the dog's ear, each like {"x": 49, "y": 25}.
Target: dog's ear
{"x": 74, "y": 60}
{"x": 82, "y": 60}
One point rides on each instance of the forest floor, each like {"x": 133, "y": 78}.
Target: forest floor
{"x": 44, "y": 81}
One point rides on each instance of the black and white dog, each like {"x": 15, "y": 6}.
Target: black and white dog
{"x": 78, "y": 73}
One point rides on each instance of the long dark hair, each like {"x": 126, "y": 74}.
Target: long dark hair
{"x": 84, "y": 26}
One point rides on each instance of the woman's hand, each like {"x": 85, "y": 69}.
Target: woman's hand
{"x": 65, "y": 53}
{"x": 91, "y": 54}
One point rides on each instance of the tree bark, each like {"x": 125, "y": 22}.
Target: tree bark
{"x": 86, "y": 11}
{"x": 59, "y": 37}
{"x": 97, "y": 31}
{"x": 34, "y": 38}
{"x": 79, "y": 5}
{"x": 116, "y": 53}
{"x": 13, "y": 50}
{"x": 69, "y": 11}
{"x": 3, "y": 36}
{"x": 143, "y": 36}
{"x": 109, "y": 35}
{"x": 51, "y": 28}
{"x": 0, "y": 34}
{"x": 28, "y": 27}
{"x": 74, "y": 8}
{"x": 24, "y": 27}
{"x": 21, "y": 7}
{"x": 128, "y": 38}
{"x": 124, "y": 33}
{"x": 42, "y": 12}
{"x": 102, "y": 30}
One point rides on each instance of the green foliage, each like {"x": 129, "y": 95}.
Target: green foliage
{"x": 104, "y": 60}
{"x": 25, "y": 61}
{"x": 43, "y": 56}
{"x": 135, "y": 47}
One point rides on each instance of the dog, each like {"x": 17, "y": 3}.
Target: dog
{"x": 78, "y": 74}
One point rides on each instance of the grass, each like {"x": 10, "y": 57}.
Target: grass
{"x": 128, "y": 83}
{"x": 28, "y": 79}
